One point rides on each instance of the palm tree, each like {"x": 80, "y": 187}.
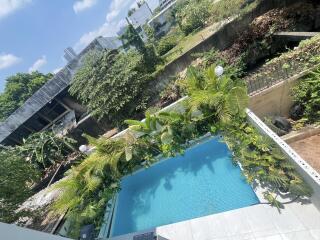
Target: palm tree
{"x": 221, "y": 97}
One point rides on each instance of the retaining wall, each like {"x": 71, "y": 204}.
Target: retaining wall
{"x": 276, "y": 100}
{"x": 221, "y": 39}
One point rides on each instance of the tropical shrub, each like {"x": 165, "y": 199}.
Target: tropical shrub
{"x": 16, "y": 178}
{"x": 192, "y": 15}
{"x": 21, "y": 167}
{"x": 18, "y": 89}
{"x": 166, "y": 44}
{"x": 307, "y": 94}
{"x": 90, "y": 185}
{"x": 44, "y": 149}
{"x": 219, "y": 97}
{"x": 264, "y": 163}
{"x": 112, "y": 85}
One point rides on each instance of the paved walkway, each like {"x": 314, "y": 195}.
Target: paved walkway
{"x": 259, "y": 222}
{"x": 309, "y": 150}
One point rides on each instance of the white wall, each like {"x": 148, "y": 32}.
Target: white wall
{"x": 140, "y": 16}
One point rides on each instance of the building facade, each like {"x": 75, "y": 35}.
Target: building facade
{"x": 52, "y": 105}
{"x": 165, "y": 3}
{"x": 160, "y": 22}
{"x": 139, "y": 17}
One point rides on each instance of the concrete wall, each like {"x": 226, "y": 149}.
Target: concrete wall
{"x": 276, "y": 100}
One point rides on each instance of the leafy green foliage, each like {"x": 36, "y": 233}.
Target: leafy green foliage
{"x": 166, "y": 44}
{"x": 90, "y": 185}
{"x": 263, "y": 162}
{"x": 16, "y": 178}
{"x": 23, "y": 166}
{"x": 221, "y": 98}
{"x": 192, "y": 15}
{"x": 132, "y": 38}
{"x": 307, "y": 94}
{"x": 112, "y": 85}
{"x": 18, "y": 89}
{"x": 43, "y": 149}
{"x": 234, "y": 70}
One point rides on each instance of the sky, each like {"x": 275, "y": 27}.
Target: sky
{"x": 34, "y": 33}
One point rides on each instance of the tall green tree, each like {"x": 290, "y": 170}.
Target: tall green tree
{"x": 18, "y": 89}
{"x": 132, "y": 38}
{"x": 112, "y": 85}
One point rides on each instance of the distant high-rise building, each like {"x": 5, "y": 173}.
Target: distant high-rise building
{"x": 109, "y": 42}
{"x": 69, "y": 54}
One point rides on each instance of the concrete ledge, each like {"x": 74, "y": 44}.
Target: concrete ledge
{"x": 295, "y": 36}
{"x": 306, "y": 132}
{"x": 13, "y": 232}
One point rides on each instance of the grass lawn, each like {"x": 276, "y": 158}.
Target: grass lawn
{"x": 188, "y": 42}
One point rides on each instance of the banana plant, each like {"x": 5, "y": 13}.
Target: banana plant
{"x": 149, "y": 125}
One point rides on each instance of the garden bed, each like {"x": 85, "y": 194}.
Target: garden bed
{"x": 287, "y": 65}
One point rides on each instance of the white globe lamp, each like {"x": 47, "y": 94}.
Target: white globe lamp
{"x": 83, "y": 148}
{"x": 219, "y": 71}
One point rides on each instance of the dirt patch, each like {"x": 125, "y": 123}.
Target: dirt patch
{"x": 309, "y": 150}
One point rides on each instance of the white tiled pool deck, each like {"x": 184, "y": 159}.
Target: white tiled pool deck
{"x": 295, "y": 222}
{"x": 260, "y": 222}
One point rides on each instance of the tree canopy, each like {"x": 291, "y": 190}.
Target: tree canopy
{"x": 16, "y": 177}
{"x": 18, "y": 89}
{"x": 112, "y": 84}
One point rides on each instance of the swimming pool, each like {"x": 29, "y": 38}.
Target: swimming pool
{"x": 202, "y": 182}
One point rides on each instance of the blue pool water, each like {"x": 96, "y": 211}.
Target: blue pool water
{"x": 202, "y": 182}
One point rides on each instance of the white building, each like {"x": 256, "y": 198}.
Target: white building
{"x": 160, "y": 22}
{"x": 165, "y": 3}
{"x": 139, "y": 17}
